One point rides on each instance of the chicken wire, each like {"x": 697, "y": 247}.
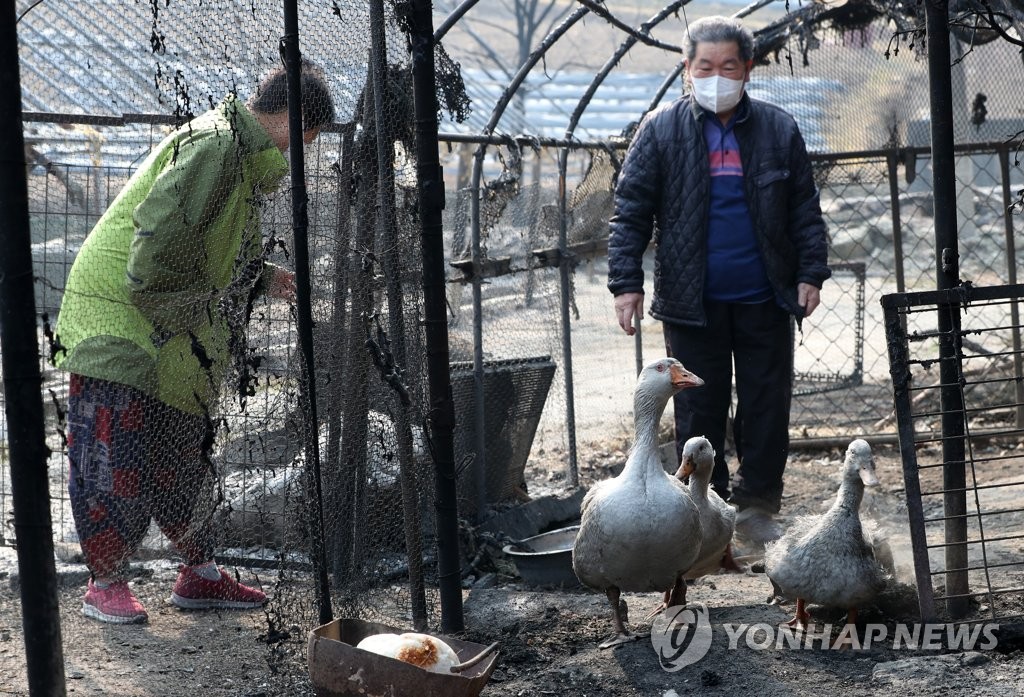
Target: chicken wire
{"x": 879, "y": 211}
{"x": 533, "y": 392}
{"x": 254, "y": 508}
{"x": 841, "y": 382}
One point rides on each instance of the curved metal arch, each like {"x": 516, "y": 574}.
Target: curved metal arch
{"x": 663, "y": 88}
{"x": 628, "y": 44}
{"x": 453, "y": 19}
{"x": 475, "y": 253}
{"x": 677, "y": 71}
{"x": 601, "y": 11}
{"x": 613, "y": 61}
{"x": 524, "y": 70}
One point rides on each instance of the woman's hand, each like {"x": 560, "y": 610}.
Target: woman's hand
{"x": 282, "y": 285}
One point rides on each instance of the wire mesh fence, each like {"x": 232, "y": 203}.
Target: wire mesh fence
{"x": 540, "y": 370}
{"x": 956, "y": 367}
{"x": 165, "y": 281}
{"x": 842, "y": 382}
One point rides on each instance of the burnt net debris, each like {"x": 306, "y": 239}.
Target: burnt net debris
{"x": 167, "y": 284}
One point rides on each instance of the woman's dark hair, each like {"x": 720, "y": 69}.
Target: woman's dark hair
{"x": 317, "y": 106}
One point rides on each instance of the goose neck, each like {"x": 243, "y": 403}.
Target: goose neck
{"x": 647, "y": 412}
{"x": 699, "y": 487}
{"x": 851, "y": 493}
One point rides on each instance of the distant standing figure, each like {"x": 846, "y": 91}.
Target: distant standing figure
{"x": 724, "y": 184}
{"x": 155, "y": 301}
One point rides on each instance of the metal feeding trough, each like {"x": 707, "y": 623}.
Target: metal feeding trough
{"x": 546, "y": 559}
{"x": 337, "y": 667}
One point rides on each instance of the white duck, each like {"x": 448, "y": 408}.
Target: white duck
{"x": 717, "y": 518}
{"x": 640, "y": 531}
{"x": 827, "y": 559}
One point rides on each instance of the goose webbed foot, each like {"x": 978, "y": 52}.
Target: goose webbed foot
{"x": 728, "y": 562}
{"x": 656, "y": 611}
{"x": 801, "y": 620}
{"x": 848, "y": 638}
{"x": 674, "y": 597}
{"x": 618, "y": 639}
{"x": 622, "y": 635}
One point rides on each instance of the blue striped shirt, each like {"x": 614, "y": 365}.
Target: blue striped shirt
{"x": 735, "y": 271}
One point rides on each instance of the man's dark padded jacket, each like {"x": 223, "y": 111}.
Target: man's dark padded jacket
{"x": 663, "y": 188}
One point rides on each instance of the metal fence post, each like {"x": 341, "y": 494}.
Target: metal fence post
{"x": 1011, "y": 278}
{"x": 899, "y": 369}
{"x": 430, "y": 185}
{"x": 565, "y": 267}
{"x": 22, "y": 382}
{"x": 293, "y": 65}
{"x": 892, "y": 160}
{"x": 479, "y": 412}
{"x": 947, "y": 274}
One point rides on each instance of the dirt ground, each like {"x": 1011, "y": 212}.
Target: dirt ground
{"x": 548, "y": 638}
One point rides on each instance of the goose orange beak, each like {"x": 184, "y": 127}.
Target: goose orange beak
{"x": 686, "y": 468}
{"x": 683, "y": 378}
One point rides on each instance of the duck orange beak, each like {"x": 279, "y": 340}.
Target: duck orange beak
{"x": 683, "y": 378}
{"x": 686, "y": 468}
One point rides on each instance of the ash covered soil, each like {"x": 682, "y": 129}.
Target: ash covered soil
{"x": 548, "y": 638}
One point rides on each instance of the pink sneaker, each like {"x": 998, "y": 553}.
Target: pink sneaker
{"x": 193, "y": 592}
{"x": 115, "y": 604}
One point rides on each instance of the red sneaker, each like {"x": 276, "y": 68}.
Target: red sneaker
{"x": 115, "y": 604}
{"x": 193, "y": 592}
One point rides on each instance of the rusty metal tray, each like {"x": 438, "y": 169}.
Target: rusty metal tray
{"x": 337, "y": 667}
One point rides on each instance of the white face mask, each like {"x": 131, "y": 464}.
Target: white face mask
{"x": 716, "y": 93}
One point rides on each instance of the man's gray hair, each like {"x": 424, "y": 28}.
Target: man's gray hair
{"x": 716, "y": 30}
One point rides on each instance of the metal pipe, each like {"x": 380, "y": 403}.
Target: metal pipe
{"x": 1011, "y": 278}
{"x": 387, "y": 227}
{"x": 979, "y": 514}
{"x": 479, "y": 408}
{"x": 665, "y": 84}
{"x": 303, "y": 302}
{"x": 947, "y": 276}
{"x": 901, "y": 379}
{"x": 565, "y": 268}
{"x": 23, "y": 389}
{"x": 892, "y": 160}
{"x": 524, "y": 70}
{"x": 474, "y": 208}
{"x": 441, "y": 415}
{"x": 526, "y": 140}
{"x": 613, "y": 61}
{"x": 451, "y": 20}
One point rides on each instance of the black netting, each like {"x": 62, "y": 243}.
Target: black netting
{"x": 123, "y": 99}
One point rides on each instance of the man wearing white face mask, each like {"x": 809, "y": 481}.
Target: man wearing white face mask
{"x": 724, "y": 185}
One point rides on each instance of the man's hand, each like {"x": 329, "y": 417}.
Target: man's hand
{"x": 807, "y": 297}
{"x": 627, "y": 305}
{"x": 282, "y": 285}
